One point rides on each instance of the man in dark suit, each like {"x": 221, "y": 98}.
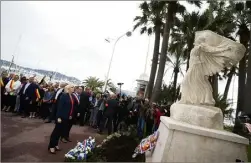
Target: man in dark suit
{"x": 21, "y": 94}
{"x": 31, "y": 97}
{"x": 24, "y": 99}
{"x": 110, "y": 110}
{"x": 84, "y": 106}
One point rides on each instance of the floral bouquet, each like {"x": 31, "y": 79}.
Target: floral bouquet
{"x": 81, "y": 150}
{"x": 146, "y": 144}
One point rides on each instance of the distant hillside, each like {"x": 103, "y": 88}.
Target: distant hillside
{"x": 24, "y": 70}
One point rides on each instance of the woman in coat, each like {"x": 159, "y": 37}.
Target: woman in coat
{"x": 63, "y": 116}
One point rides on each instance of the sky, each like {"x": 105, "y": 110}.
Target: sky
{"x": 70, "y": 37}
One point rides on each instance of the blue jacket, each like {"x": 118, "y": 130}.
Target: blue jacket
{"x": 64, "y": 106}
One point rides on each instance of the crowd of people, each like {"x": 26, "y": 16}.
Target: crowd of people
{"x": 69, "y": 105}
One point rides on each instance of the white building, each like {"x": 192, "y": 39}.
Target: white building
{"x": 142, "y": 84}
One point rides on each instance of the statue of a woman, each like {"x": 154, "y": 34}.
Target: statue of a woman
{"x": 210, "y": 55}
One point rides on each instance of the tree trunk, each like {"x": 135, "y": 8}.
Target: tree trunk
{"x": 229, "y": 79}
{"x": 163, "y": 55}
{"x": 175, "y": 79}
{"x": 247, "y": 104}
{"x": 154, "y": 63}
{"x": 190, "y": 47}
{"x": 242, "y": 79}
{"x": 215, "y": 85}
{"x": 241, "y": 85}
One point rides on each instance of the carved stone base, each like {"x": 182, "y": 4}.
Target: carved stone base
{"x": 182, "y": 142}
{"x": 204, "y": 116}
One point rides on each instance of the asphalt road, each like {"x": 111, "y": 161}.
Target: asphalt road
{"x": 26, "y": 140}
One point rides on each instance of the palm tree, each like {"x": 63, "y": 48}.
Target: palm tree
{"x": 247, "y": 103}
{"x": 177, "y": 51}
{"x": 186, "y": 27}
{"x": 229, "y": 75}
{"x": 244, "y": 36}
{"x": 221, "y": 21}
{"x": 93, "y": 83}
{"x": 172, "y": 8}
{"x": 111, "y": 86}
{"x": 151, "y": 21}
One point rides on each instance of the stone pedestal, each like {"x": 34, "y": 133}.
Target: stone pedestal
{"x": 183, "y": 142}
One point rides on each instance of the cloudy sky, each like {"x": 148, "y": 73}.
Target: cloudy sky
{"x": 70, "y": 37}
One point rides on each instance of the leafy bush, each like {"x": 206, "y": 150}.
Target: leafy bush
{"x": 118, "y": 147}
{"x": 224, "y": 105}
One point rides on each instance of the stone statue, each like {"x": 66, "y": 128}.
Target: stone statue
{"x": 211, "y": 54}
{"x": 194, "y": 132}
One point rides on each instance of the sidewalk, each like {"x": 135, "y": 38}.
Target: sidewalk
{"x": 26, "y": 140}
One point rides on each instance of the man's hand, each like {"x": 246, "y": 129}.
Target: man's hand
{"x": 59, "y": 120}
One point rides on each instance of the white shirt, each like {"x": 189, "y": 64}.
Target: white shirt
{"x": 96, "y": 103}
{"x": 58, "y": 92}
{"x": 26, "y": 86}
{"x": 16, "y": 85}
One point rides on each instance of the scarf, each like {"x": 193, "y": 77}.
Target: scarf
{"x": 72, "y": 106}
{"x": 1, "y": 82}
{"x": 11, "y": 84}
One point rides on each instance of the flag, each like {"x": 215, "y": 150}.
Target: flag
{"x": 11, "y": 84}
{"x": 1, "y": 82}
{"x": 42, "y": 81}
{"x": 38, "y": 94}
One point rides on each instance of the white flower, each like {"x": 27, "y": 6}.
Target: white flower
{"x": 117, "y": 134}
{"x": 109, "y": 137}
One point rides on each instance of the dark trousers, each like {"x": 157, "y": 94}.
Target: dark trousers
{"x": 149, "y": 126}
{"x": 45, "y": 110}
{"x": 22, "y": 104}
{"x": 81, "y": 118}
{"x": 57, "y": 132}
{"x": 67, "y": 130}
{"x": 99, "y": 117}
{"x": 115, "y": 121}
{"x": 3, "y": 100}
{"x": 53, "y": 112}
{"x": 12, "y": 102}
{"x": 109, "y": 119}
{"x": 84, "y": 117}
{"x": 32, "y": 106}
{"x": 26, "y": 108}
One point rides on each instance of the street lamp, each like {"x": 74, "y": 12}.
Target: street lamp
{"x": 128, "y": 34}
{"x": 120, "y": 85}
